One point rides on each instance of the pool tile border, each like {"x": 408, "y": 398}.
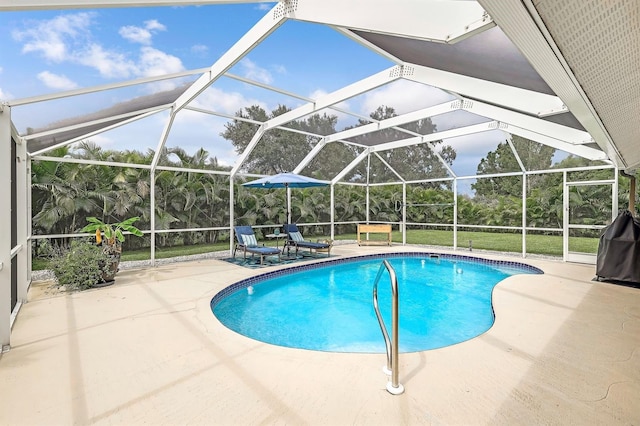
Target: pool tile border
{"x": 247, "y": 282}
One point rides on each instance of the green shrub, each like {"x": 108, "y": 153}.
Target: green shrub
{"x": 82, "y": 266}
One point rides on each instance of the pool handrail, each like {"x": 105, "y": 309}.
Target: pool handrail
{"x": 393, "y": 387}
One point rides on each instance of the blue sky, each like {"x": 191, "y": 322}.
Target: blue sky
{"x": 51, "y": 51}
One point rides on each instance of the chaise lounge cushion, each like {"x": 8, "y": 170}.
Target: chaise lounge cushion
{"x": 248, "y": 243}
{"x": 296, "y": 239}
{"x": 296, "y": 236}
{"x": 249, "y": 240}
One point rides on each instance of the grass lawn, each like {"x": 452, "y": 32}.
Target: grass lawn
{"x": 536, "y": 244}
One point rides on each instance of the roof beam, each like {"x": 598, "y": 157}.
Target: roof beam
{"x": 103, "y": 87}
{"x": 545, "y": 132}
{"x": 525, "y": 29}
{"x": 350, "y": 166}
{"x": 97, "y": 132}
{"x": 265, "y": 26}
{"x": 440, "y": 21}
{"x": 416, "y": 140}
{"x": 568, "y": 134}
{"x": 579, "y": 150}
{"x": 310, "y": 155}
{"x": 322, "y": 102}
{"x": 398, "y": 120}
{"x": 391, "y": 122}
{"x": 252, "y": 144}
{"x": 355, "y": 89}
{"x": 386, "y": 164}
{"x": 494, "y": 93}
{"x": 94, "y": 122}
{"x": 291, "y": 94}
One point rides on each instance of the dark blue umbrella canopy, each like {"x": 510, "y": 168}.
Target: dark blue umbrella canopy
{"x": 285, "y": 180}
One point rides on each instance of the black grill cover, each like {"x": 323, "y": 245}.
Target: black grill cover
{"x": 619, "y": 250}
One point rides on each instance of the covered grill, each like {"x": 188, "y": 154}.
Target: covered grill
{"x": 619, "y": 250}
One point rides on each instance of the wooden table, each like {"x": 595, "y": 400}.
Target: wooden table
{"x": 378, "y": 228}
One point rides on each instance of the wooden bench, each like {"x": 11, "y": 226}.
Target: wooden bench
{"x": 366, "y": 228}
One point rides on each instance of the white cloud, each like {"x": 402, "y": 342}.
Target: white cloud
{"x": 199, "y": 49}
{"x": 192, "y": 131}
{"x": 280, "y": 69}
{"x": 154, "y": 62}
{"x": 67, "y": 38}
{"x": 141, "y": 35}
{"x": 226, "y": 102}
{"x": 54, "y": 81}
{"x": 53, "y": 38}
{"x": 110, "y": 64}
{"x": 135, "y": 34}
{"x": 154, "y": 25}
{"x": 254, "y": 72}
{"x": 265, "y": 6}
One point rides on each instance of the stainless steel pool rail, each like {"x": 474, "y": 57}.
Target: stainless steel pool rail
{"x": 391, "y": 369}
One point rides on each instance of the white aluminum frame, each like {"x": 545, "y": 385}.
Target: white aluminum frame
{"x": 6, "y": 250}
{"x": 440, "y": 21}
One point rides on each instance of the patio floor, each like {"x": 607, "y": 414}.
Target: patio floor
{"x": 563, "y": 350}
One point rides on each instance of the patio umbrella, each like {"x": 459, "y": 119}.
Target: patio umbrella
{"x": 285, "y": 180}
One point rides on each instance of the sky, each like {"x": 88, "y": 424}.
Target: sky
{"x": 46, "y": 52}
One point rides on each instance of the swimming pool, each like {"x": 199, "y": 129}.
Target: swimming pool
{"x": 443, "y": 299}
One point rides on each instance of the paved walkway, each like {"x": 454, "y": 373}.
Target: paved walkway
{"x": 147, "y": 350}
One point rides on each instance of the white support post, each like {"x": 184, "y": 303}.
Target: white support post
{"x": 455, "y": 213}
{"x": 29, "y": 219}
{"x": 565, "y": 217}
{"x": 404, "y": 214}
{"x": 5, "y": 224}
{"x": 524, "y": 215}
{"x": 333, "y": 211}
{"x": 289, "y": 206}
{"x": 23, "y": 215}
{"x": 152, "y": 207}
{"x": 231, "y": 214}
{"x": 367, "y": 193}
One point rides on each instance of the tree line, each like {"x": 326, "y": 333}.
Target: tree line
{"x": 65, "y": 193}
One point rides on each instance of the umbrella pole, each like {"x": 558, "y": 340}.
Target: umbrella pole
{"x": 288, "y": 203}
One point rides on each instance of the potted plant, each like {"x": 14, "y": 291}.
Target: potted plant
{"x": 110, "y": 237}
{"x": 81, "y": 266}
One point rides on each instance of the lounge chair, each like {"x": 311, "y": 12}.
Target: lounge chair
{"x": 247, "y": 242}
{"x": 295, "y": 239}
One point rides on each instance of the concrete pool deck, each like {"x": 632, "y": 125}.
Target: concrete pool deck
{"x": 147, "y": 350}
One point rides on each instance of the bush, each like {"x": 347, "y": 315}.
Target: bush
{"x": 82, "y": 266}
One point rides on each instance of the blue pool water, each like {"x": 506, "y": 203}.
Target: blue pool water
{"x": 329, "y": 307}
